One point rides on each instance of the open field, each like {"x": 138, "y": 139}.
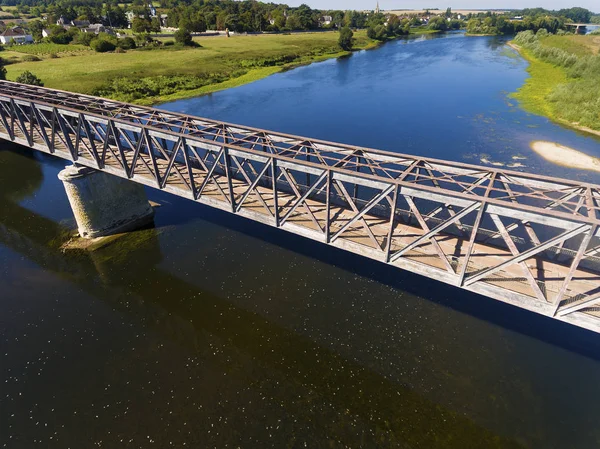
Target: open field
{"x": 239, "y": 59}
{"x": 578, "y": 45}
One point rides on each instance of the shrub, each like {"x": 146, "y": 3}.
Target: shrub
{"x": 30, "y": 58}
{"x": 183, "y": 37}
{"x": 84, "y": 38}
{"x": 29, "y": 78}
{"x": 127, "y": 43}
{"x": 102, "y": 45}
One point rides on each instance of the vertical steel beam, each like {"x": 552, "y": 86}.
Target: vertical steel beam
{"x": 275, "y": 190}
{"x": 390, "y": 236}
{"x": 328, "y": 206}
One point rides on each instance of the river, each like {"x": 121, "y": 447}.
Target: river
{"x": 210, "y": 330}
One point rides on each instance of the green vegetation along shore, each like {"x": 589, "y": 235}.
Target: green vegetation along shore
{"x": 564, "y": 78}
{"x": 171, "y": 72}
{"x": 149, "y": 76}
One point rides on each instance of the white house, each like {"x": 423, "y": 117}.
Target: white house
{"x": 16, "y": 35}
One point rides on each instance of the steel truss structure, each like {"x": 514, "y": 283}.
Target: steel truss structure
{"x": 528, "y": 240}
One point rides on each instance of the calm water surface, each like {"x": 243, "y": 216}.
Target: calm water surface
{"x": 213, "y": 331}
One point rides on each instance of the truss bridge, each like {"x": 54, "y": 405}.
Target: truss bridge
{"x": 528, "y": 240}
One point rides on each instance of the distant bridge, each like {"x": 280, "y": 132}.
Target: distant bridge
{"x": 580, "y": 26}
{"x": 528, "y": 240}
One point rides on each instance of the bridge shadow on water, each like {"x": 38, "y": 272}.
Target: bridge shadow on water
{"x": 519, "y": 320}
{"x": 178, "y": 211}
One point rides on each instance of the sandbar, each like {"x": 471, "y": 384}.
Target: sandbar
{"x": 565, "y": 156}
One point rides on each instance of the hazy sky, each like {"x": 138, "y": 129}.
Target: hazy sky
{"x": 593, "y": 5}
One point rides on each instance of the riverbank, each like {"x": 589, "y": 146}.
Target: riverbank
{"x": 258, "y": 74}
{"x": 150, "y": 76}
{"x": 543, "y": 79}
{"x": 561, "y": 81}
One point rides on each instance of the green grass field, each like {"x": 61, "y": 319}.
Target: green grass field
{"x": 48, "y": 48}
{"x": 578, "y": 45}
{"x": 235, "y": 60}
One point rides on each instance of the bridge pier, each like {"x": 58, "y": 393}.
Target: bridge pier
{"x": 104, "y": 204}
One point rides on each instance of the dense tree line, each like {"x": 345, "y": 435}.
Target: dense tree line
{"x": 533, "y": 19}
{"x": 193, "y": 15}
{"x": 381, "y": 27}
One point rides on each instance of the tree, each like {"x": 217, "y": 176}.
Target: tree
{"x": 377, "y": 32}
{"x": 114, "y": 16}
{"x": 58, "y": 35}
{"x": 29, "y": 78}
{"x": 155, "y": 25}
{"x": 84, "y": 38}
{"x": 36, "y": 27}
{"x": 438, "y": 23}
{"x": 577, "y": 14}
{"x": 183, "y": 37}
{"x": 2, "y": 69}
{"x": 140, "y": 25}
{"x": 346, "y": 38}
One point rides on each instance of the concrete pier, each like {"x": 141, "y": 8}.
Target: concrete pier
{"x": 104, "y": 204}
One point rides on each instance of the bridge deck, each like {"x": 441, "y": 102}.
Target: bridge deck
{"x": 528, "y": 240}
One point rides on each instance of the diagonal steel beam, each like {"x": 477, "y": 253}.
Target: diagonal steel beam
{"x": 515, "y": 252}
{"x": 527, "y": 254}
{"x": 426, "y": 228}
{"x": 574, "y": 265}
{"x": 363, "y": 212}
{"x": 305, "y": 196}
{"x": 467, "y": 210}
{"x": 590, "y": 301}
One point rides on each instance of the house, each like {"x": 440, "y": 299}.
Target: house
{"x": 45, "y": 32}
{"x": 326, "y": 20}
{"x": 72, "y": 23}
{"x": 163, "y": 20}
{"x": 16, "y": 35}
{"x": 94, "y": 28}
{"x": 80, "y": 23}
